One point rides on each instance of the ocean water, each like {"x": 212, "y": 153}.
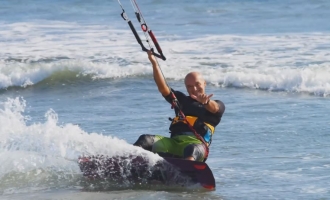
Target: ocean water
{"x": 74, "y": 81}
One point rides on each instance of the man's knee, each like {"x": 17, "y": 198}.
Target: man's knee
{"x": 197, "y": 151}
{"x": 145, "y": 141}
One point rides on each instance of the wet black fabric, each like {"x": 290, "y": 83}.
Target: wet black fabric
{"x": 197, "y": 151}
{"x": 191, "y": 107}
{"x": 145, "y": 141}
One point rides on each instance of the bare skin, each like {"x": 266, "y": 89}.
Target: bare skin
{"x": 158, "y": 77}
{"x": 194, "y": 82}
{"x": 195, "y": 85}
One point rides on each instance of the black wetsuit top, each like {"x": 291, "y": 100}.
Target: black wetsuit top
{"x": 191, "y": 107}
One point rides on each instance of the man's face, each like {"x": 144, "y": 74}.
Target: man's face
{"x": 195, "y": 85}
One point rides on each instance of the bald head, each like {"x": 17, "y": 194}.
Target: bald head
{"x": 193, "y": 76}
{"x": 195, "y": 83}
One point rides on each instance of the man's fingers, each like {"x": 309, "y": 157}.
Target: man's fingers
{"x": 202, "y": 98}
{"x": 193, "y": 96}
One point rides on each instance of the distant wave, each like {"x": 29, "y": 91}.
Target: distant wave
{"x": 23, "y": 74}
{"x": 314, "y": 79}
{"x": 278, "y": 62}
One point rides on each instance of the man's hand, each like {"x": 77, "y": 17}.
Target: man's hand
{"x": 152, "y": 58}
{"x": 158, "y": 76}
{"x": 202, "y": 98}
{"x": 210, "y": 105}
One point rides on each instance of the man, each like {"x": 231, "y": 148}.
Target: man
{"x": 202, "y": 113}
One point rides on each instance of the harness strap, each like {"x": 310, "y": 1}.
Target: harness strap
{"x": 175, "y": 104}
{"x": 192, "y": 120}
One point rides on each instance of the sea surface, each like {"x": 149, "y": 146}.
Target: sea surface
{"x": 74, "y": 81}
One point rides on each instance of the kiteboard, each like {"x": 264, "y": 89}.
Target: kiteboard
{"x": 138, "y": 169}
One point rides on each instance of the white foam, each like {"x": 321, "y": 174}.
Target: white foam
{"x": 287, "y": 62}
{"x": 47, "y": 144}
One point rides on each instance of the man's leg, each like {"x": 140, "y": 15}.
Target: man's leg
{"x": 195, "y": 152}
{"x": 145, "y": 141}
{"x": 155, "y": 143}
{"x": 164, "y": 146}
{"x": 189, "y": 149}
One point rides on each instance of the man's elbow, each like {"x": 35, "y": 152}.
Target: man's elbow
{"x": 164, "y": 91}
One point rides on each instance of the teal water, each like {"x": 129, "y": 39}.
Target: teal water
{"x": 73, "y": 81}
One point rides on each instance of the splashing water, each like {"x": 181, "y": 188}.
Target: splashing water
{"x": 44, "y": 155}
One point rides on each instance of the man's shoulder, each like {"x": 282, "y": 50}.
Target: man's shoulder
{"x": 222, "y": 107}
{"x": 177, "y": 93}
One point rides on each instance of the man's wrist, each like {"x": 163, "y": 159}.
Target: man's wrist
{"x": 207, "y": 103}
